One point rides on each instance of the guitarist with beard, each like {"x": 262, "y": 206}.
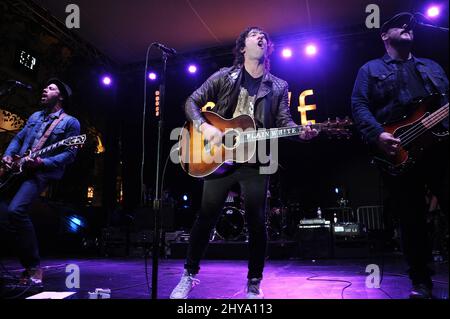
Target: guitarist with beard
{"x": 384, "y": 92}
{"x": 43, "y": 128}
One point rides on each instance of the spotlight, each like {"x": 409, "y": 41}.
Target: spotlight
{"x": 336, "y": 190}
{"x": 311, "y": 49}
{"x": 106, "y": 80}
{"x": 192, "y": 68}
{"x": 152, "y": 76}
{"x": 185, "y": 198}
{"x": 286, "y": 53}
{"x": 433, "y": 11}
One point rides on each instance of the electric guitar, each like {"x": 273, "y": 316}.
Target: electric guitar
{"x": 199, "y": 158}
{"x": 416, "y": 132}
{"x": 10, "y": 172}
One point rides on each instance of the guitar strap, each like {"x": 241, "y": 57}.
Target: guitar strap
{"x": 47, "y": 133}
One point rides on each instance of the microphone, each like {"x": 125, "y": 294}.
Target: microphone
{"x": 165, "y": 49}
{"x": 419, "y": 19}
{"x": 411, "y": 24}
{"x": 20, "y": 84}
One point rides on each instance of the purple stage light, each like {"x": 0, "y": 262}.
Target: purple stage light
{"x": 152, "y": 76}
{"x": 311, "y": 49}
{"x": 192, "y": 69}
{"x": 106, "y": 80}
{"x": 286, "y": 53}
{"x": 433, "y": 11}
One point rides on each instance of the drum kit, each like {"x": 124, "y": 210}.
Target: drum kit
{"x": 232, "y": 224}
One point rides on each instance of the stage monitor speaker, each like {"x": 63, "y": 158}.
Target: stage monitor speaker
{"x": 315, "y": 241}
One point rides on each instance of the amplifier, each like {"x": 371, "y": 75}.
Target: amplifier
{"x": 314, "y": 238}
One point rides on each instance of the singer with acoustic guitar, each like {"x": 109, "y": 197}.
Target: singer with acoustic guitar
{"x": 246, "y": 90}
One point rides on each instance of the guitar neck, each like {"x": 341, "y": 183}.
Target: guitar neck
{"x": 46, "y": 149}
{"x": 264, "y": 134}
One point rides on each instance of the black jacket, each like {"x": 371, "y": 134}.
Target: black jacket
{"x": 222, "y": 88}
{"x": 378, "y": 95}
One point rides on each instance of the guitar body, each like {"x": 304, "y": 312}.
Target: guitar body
{"x": 199, "y": 158}
{"x": 11, "y": 175}
{"x": 409, "y": 154}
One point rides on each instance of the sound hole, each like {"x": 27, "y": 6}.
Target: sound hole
{"x": 230, "y": 139}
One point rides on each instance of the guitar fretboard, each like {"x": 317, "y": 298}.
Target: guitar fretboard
{"x": 46, "y": 149}
{"x": 264, "y": 134}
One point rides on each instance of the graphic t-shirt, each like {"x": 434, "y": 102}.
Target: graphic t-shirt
{"x": 247, "y": 95}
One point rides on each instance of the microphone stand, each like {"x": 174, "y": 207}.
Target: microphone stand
{"x": 157, "y": 202}
{"x": 432, "y": 26}
{"x": 427, "y": 25}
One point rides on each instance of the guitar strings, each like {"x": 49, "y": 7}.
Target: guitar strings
{"x": 418, "y": 130}
{"x": 421, "y": 127}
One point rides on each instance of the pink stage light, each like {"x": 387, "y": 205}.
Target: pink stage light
{"x": 311, "y": 49}
{"x": 286, "y": 53}
{"x": 433, "y": 11}
{"x": 106, "y": 80}
{"x": 192, "y": 69}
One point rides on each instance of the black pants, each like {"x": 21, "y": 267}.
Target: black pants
{"x": 254, "y": 189}
{"x": 15, "y": 222}
{"x": 406, "y": 197}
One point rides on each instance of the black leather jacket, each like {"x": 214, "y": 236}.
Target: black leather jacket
{"x": 222, "y": 88}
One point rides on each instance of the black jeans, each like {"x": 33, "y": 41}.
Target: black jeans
{"x": 406, "y": 195}
{"x": 16, "y": 224}
{"x": 254, "y": 189}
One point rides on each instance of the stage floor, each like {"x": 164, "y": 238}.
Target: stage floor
{"x": 226, "y": 279}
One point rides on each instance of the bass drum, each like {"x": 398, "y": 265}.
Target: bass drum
{"x": 231, "y": 224}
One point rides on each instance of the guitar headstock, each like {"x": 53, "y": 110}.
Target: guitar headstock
{"x": 338, "y": 128}
{"x": 74, "y": 141}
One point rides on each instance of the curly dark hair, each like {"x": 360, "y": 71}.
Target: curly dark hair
{"x": 240, "y": 44}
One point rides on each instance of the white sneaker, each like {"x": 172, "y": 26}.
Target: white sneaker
{"x": 187, "y": 282}
{"x": 253, "y": 289}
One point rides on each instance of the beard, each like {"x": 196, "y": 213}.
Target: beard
{"x": 48, "y": 104}
{"x": 401, "y": 42}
